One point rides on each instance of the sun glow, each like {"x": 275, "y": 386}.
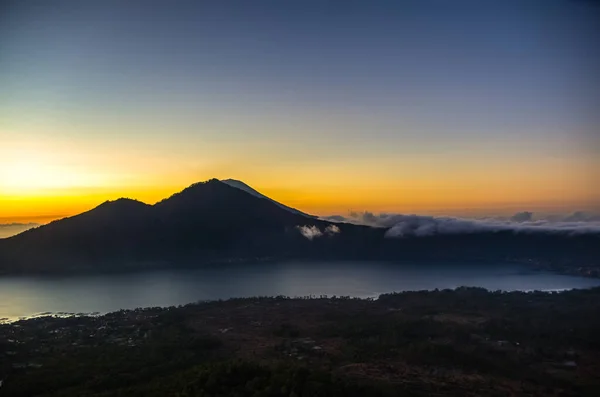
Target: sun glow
{"x": 30, "y": 172}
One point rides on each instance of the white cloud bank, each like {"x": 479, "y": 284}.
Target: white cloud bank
{"x": 400, "y": 225}
{"x": 310, "y": 232}
{"x": 414, "y": 225}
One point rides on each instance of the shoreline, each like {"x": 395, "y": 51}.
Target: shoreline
{"x": 65, "y": 315}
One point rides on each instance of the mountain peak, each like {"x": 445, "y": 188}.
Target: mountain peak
{"x": 243, "y": 186}
{"x": 246, "y": 188}
{"x": 210, "y": 181}
{"x": 122, "y": 202}
{"x": 195, "y": 191}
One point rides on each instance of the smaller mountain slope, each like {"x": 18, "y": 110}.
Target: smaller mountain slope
{"x": 113, "y": 229}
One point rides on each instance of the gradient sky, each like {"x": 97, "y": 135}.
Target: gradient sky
{"x": 404, "y": 106}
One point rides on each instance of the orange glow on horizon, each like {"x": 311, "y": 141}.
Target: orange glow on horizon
{"x": 317, "y": 200}
{"x": 42, "y": 180}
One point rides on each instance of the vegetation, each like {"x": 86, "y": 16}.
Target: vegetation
{"x": 467, "y": 342}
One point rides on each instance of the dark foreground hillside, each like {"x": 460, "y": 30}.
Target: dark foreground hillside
{"x": 467, "y": 342}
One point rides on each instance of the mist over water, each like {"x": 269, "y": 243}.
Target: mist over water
{"x": 27, "y": 296}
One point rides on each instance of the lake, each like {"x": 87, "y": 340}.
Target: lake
{"x": 27, "y": 296}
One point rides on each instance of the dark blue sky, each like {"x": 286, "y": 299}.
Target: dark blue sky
{"x": 446, "y": 88}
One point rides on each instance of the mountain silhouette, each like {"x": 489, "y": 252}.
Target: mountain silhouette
{"x": 217, "y": 221}
{"x": 207, "y": 220}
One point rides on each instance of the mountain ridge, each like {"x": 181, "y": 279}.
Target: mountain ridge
{"x": 207, "y": 220}
{"x": 211, "y": 222}
{"x": 241, "y": 185}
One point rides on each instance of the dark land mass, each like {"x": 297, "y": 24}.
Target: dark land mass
{"x": 464, "y": 342}
{"x": 213, "y": 222}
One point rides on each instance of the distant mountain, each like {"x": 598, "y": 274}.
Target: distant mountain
{"x": 207, "y": 221}
{"x": 241, "y": 185}
{"x": 215, "y": 221}
{"x": 10, "y": 229}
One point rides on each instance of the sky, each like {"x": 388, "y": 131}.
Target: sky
{"x": 432, "y": 107}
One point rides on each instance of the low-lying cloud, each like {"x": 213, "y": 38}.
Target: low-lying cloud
{"x": 312, "y": 232}
{"x": 332, "y": 229}
{"x": 414, "y": 225}
{"x": 400, "y": 225}
{"x": 580, "y": 216}
{"x": 524, "y": 216}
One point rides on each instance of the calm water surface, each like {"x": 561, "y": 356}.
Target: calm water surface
{"x": 27, "y": 296}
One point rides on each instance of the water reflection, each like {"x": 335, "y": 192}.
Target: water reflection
{"x": 25, "y": 296}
